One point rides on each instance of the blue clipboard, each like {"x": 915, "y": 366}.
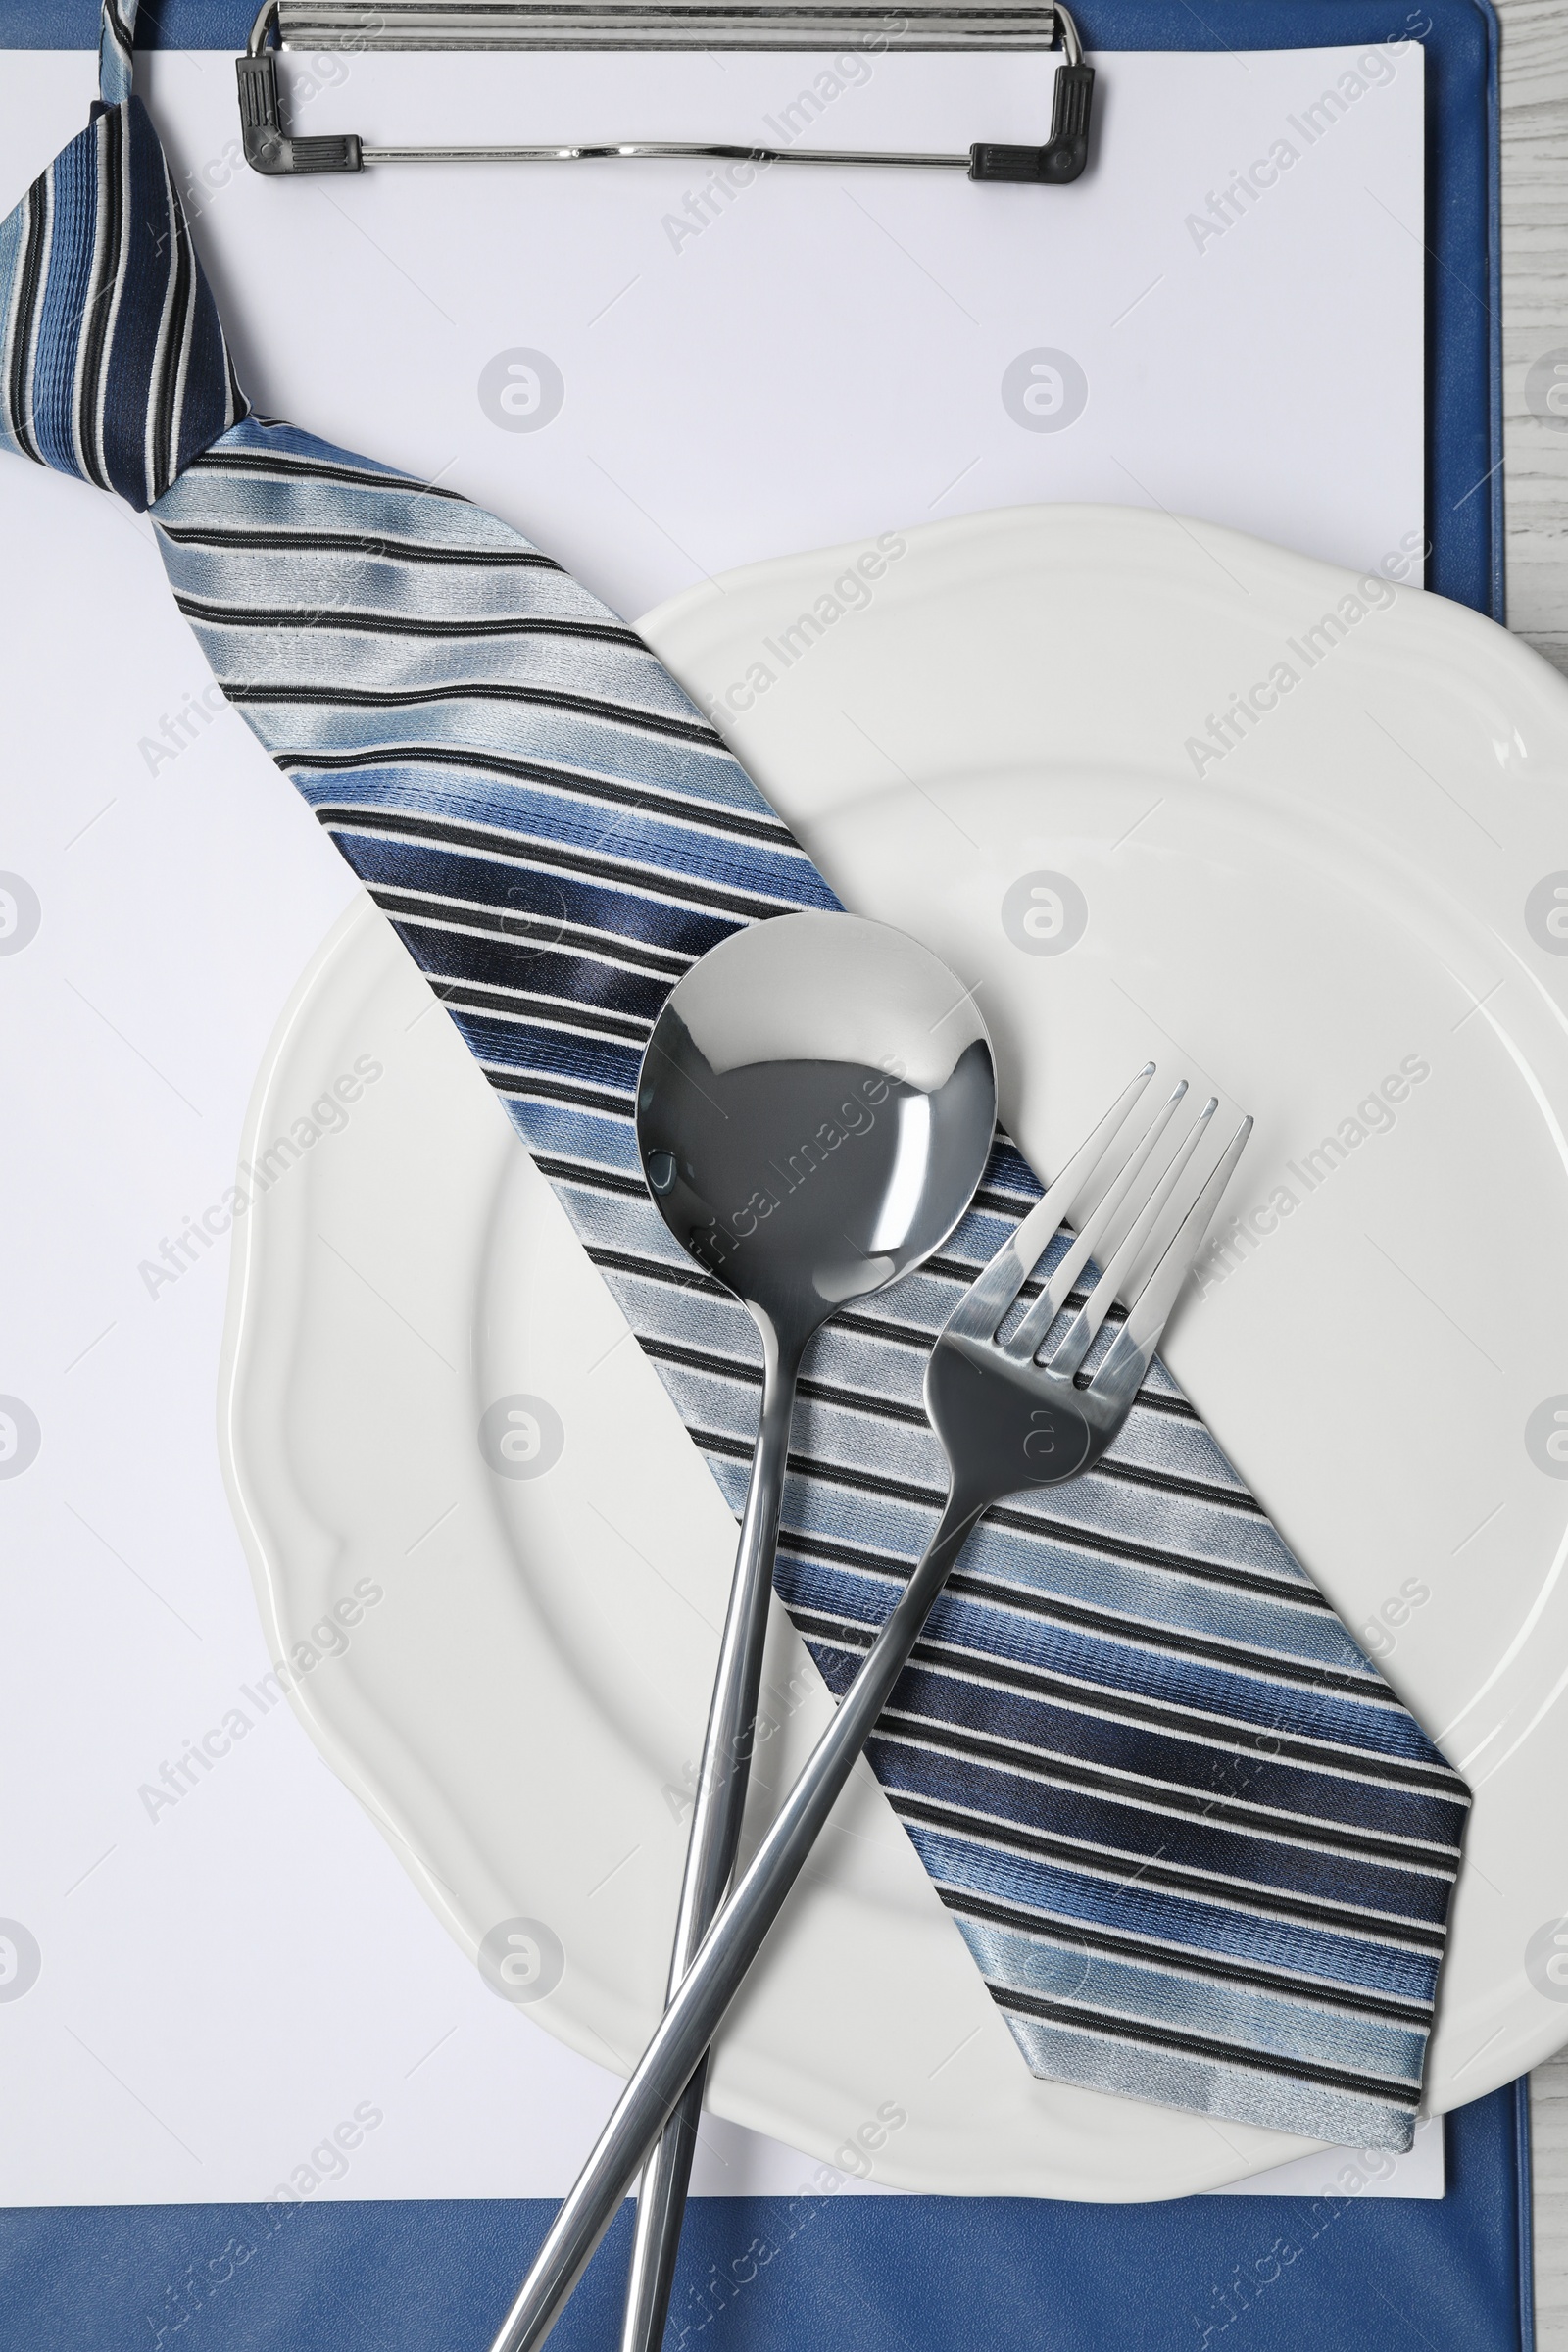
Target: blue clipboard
{"x": 915, "y": 2273}
{"x": 1462, "y": 233}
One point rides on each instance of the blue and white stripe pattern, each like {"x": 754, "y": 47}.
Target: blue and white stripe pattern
{"x": 1199, "y": 1851}
{"x": 116, "y": 51}
{"x": 113, "y": 365}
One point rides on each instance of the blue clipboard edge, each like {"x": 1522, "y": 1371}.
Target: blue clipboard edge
{"x": 1464, "y": 496}
{"x": 773, "y": 2274}
{"x": 1524, "y": 2171}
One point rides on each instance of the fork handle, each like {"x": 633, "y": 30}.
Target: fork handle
{"x": 738, "y": 1933}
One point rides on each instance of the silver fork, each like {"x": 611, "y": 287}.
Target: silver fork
{"x": 1007, "y": 1421}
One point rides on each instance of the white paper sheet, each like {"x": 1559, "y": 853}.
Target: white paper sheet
{"x": 221, "y": 1984}
{"x": 831, "y": 354}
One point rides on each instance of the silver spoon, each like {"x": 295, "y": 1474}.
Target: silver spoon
{"x": 814, "y": 1111}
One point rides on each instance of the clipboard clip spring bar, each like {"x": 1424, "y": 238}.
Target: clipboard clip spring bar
{"x": 273, "y": 151}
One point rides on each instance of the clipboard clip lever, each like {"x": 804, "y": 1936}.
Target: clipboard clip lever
{"x": 271, "y": 149}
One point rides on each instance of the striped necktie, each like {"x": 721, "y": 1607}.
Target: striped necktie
{"x": 1199, "y": 1851}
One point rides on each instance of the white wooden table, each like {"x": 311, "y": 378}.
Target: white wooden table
{"x": 1535, "y": 314}
{"x": 1549, "y": 2134}
{"x": 1534, "y": 320}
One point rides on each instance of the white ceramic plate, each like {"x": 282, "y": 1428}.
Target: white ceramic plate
{"x": 995, "y": 740}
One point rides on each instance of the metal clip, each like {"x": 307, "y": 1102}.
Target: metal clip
{"x": 270, "y": 148}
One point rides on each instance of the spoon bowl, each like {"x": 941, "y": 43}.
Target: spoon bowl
{"x": 816, "y": 1107}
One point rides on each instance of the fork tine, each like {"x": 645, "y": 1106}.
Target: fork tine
{"x": 1121, "y": 1374}
{"x": 1021, "y": 1343}
{"x": 1079, "y": 1337}
{"x": 997, "y": 1284}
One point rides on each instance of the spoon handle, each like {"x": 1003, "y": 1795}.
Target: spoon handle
{"x": 716, "y": 1813}
{"x": 660, "y": 2210}
{"x": 716, "y": 1975}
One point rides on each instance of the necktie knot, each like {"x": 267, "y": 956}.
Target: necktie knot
{"x": 112, "y": 363}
